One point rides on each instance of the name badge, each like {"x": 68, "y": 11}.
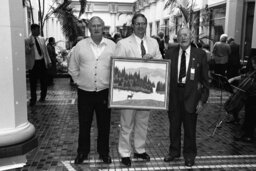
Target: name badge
{"x": 192, "y": 73}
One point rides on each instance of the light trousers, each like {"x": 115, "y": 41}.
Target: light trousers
{"x": 137, "y": 121}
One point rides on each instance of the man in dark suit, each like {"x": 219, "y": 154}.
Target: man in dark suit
{"x": 189, "y": 91}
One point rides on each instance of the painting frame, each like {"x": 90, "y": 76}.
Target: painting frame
{"x": 136, "y": 83}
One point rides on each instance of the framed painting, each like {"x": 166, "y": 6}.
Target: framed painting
{"x": 139, "y": 84}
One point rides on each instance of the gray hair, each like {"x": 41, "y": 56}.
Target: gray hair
{"x": 95, "y": 18}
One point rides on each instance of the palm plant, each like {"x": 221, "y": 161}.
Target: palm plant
{"x": 181, "y": 7}
{"x": 71, "y": 26}
{"x": 185, "y": 8}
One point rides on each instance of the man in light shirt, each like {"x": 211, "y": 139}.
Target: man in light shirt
{"x": 89, "y": 67}
{"x": 138, "y": 45}
{"x": 37, "y": 62}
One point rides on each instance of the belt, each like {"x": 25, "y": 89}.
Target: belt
{"x": 181, "y": 84}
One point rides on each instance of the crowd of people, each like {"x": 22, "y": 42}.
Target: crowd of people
{"x": 89, "y": 66}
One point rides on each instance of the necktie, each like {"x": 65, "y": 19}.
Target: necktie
{"x": 38, "y": 47}
{"x": 182, "y": 66}
{"x": 143, "y": 50}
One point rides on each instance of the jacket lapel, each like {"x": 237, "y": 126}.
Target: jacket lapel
{"x": 192, "y": 62}
{"x": 175, "y": 63}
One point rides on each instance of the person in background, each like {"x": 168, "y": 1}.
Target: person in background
{"x": 221, "y": 51}
{"x": 52, "y": 54}
{"x": 161, "y": 43}
{"x": 117, "y": 37}
{"x": 234, "y": 59}
{"x": 249, "y": 123}
{"x": 189, "y": 91}
{"x": 232, "y": 71}
{"x": 137, "y": 45}
{"x": 37, "y": 62}
{"x": 89, "y": 67}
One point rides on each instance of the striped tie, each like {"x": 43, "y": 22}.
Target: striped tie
{"x": 143, "y": 50}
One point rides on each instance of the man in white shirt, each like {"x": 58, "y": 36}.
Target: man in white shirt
{"x": 37, "y": 62}
{"x": 89, "y": 67}
{"x": 138, "y": 45}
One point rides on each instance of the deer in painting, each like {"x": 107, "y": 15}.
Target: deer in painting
{"x": 129, "y": 96}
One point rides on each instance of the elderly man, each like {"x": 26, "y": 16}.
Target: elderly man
{"x": 221, "y": 51}
{"x": 37, "y": 62}
{"x": 189, "y": 91}
{"x": 89, "y": 67}
{"x": 137, "y": 45}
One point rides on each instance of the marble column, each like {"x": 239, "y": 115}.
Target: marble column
{"x": 16, "y": 133}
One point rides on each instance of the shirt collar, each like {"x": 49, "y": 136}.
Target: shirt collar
{"x": 103, "y": 42}
{"x": 138, "y": 40}
{"x": 187, "y": 50}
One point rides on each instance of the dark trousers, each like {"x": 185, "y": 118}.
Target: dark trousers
{"x": 178, "y": 117}
{"x": 88, "y": 102}
{"x": 220, "y": 69}
{"x": 38, "y": 72}
{"x": 250, "y": 117}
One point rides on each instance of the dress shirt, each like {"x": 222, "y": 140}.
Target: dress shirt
{"x": 98, "y": 49}
{"x": 187, "y": 62}
{"x": 91, "y": 73}
{"x": 138, "y": 40}
{"x": 37, "y": 56}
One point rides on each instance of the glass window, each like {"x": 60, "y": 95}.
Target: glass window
{"x": 217, "y": 22}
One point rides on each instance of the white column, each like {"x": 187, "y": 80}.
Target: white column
{"x": 14, "y": 125}
{"x": 234, "y": 18}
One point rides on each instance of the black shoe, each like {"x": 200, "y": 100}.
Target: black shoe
{"x": 42, "y": 100}
{"x": 189, "y": 162}
{"x": 143, "y": 156}
{"x": 106, "y": 159}
{"x": 80, "y": 158}
{"x": 170, "y": 157}
{"x": 126, "y": 161}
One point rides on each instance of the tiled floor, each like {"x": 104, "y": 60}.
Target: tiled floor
{"x": 56, "y": 125}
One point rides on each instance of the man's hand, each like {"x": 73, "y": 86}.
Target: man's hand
{"x": 199, "y": 107}
{"x": 147, "y": 57}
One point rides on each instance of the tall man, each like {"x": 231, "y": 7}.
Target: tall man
{"x": 189, "y": 91}
{"x": 37, "y": 62}
{"x": 138, "y": 45}
{"x": 89, "y": 67}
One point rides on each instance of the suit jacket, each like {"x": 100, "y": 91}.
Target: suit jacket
{"x": 30, "y": 52}
{"x": 196, "y": 88}
{"x": 128, "y": 48}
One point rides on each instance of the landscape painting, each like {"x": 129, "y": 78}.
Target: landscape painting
{"x": 139, "y": 84}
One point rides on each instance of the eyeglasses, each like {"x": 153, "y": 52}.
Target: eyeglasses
{"x": 140, "y": 24}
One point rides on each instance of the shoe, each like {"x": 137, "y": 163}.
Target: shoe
{"x": 143, "y": 156}
{"x": 170, "y": 157}
{"x": 42, "y": 100}
{"x": 106, "y": 159}
{"x": 189, "y": 162}
{"x": 233, "y": 121}
{"x": 126, "y": 161}
{"x": 80, "y": 158}
{"x": 247, "y": 139}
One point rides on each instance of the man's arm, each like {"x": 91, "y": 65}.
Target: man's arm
{"x": 204, "y": 79}
{"x": 73, "y": 67}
